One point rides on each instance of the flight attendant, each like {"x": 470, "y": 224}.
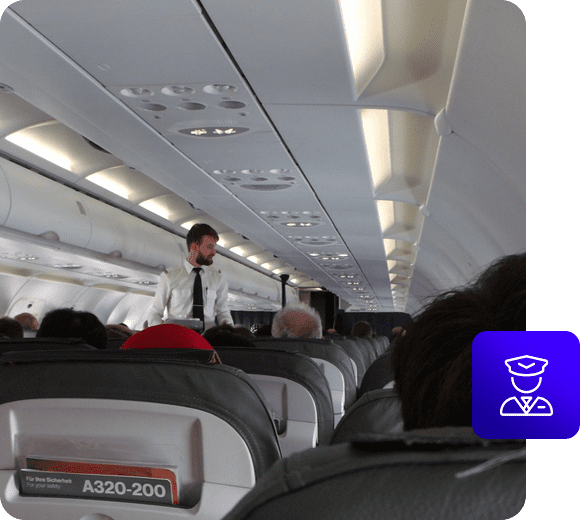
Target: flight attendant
{"x": 526, "y": 368}
{"x": 194, "y": 289}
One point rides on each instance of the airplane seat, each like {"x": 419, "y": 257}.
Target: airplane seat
{"x": 129, "y": 434}
{"x": 31, "y": 344}
{"x": 370, "y": 346}
{"x": 436, "y": 473}
{"x": 295, "y": 390}
{"x": 333, "y": 361}
{"x": 376, "y": 412}
{"x": 378, "y": 375}
{"x": 383, "y": 342}
{"x": 365, "y": 348}
{"x": 115, "y": 343}
{"x": 359, "y": 357}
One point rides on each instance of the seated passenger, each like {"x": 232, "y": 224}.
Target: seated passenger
{"x": 168, "y": 335}
{"x": 264, "y": 331}
{"x": 68, "y": 323}
{"x": 362, "y": 329}
{"x": 27, "y": 320}
{"x": 243, "y": 331}
{"x": 226, "y": 336}
{"x": 10, "y": 328}
{"x": 297, "y": 320}
{"x": 432, "y": 361}
{"x": 119, "y": 331}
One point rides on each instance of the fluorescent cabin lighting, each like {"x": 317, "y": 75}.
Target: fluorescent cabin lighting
{"x": 375, "y": 123}
{"x": 156, "y": 207}
{"x": 363, "y": 27}
{"x": 40, "y": 149}
{"x": 110, "y": 185}
{"x": 386, "y": 209}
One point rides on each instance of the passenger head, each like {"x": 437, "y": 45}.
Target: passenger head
{"x": 264, "y": 331}
{"x": 119, "y": 331}
{"x": 168, "y": 335}
{"x": 362, "y": 329}
{"x": 10, "y": 328}
{"x": 243, "y": 331}
{"x": 68, "y": 323}
{"x": 297, "y": 320}
{"x": 226, "y": 336}
{"x": 27, "y": 320}
{"x": 432, "y": 361}
{"x": 201, "y": 240}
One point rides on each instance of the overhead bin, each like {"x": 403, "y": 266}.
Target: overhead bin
{"x": 39, "y": 206}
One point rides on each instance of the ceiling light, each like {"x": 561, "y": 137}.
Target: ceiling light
{"x": 39, "y": 148}
{"x": 386, "y": 209}
{"x": 362, "y": 21}
{"x": 156, "y": 207}
{"x": 375, "y": 124}
{"x": 112, "y": 185}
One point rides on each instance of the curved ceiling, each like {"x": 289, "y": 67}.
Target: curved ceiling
{"x": 381, "y": 157}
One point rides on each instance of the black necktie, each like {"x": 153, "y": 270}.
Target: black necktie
{"x": 197, "y": 295}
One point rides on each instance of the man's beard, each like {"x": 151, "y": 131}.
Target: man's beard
{"x": 203, "y": 260}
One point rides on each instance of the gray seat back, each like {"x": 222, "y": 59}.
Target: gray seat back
{"x": 442, "y": 473}
{"x": 201, "y": 427}
{"x": 376, "y": 412}
{"x": 296, "y": 392}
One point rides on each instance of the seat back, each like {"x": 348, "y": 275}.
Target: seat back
{"x": 296, "y": 392}
{"x": 333, "y": 360}
{"x": 359, "y": 356}
{"x": 30, "y": 344}
{"x": 167, "y": 433}
{"x": 376, "y": 412}
{"x": 378, "y": 375}
{"x": 443, "y": 473}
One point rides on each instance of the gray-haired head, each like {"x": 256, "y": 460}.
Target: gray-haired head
{"x": 297, "y": 320}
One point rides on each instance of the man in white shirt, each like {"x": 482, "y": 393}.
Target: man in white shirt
{"x": 176, "y": 284}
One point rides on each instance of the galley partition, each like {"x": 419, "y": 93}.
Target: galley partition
{"x": 168, "y": 434}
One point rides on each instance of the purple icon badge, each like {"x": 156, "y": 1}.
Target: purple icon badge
{"x": 525, "y": 385}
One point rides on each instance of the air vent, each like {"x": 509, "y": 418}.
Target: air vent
{"x": 315, "y": 241}
{"x": 190, "y": 105}
{"x": 265, "y": 187}
{"x": 231, "y": 105}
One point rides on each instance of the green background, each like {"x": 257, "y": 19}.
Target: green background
{"x": 552, "y": 183}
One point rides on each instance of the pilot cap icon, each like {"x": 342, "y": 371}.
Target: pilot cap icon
{"x": 526, "y": 365}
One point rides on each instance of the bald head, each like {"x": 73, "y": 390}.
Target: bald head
{"x": 297, "y": 321}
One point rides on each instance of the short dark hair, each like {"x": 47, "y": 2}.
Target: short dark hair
{"x": 432, "y": 361}
{"x": 68, "y": 323}
{"x": 10, "y": 328}
{"x": 198, "y": 231}
{"x": 362, "y": 329}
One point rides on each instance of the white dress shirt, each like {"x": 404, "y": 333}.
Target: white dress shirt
{"x": 175, "y": 292}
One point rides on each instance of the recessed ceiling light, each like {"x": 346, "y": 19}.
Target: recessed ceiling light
{"x": 178, "y": 90}
{"x": 219, "y": 89}
{"x": 137, "y": 92}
